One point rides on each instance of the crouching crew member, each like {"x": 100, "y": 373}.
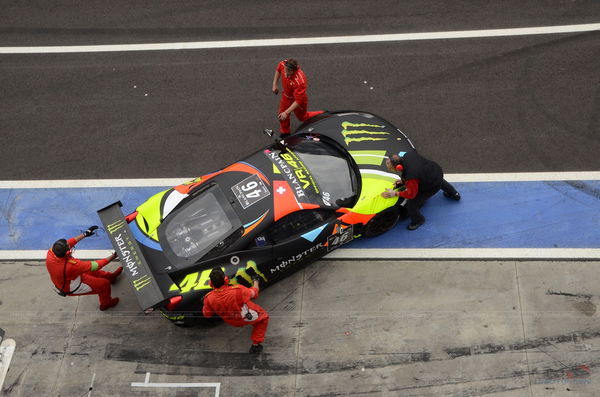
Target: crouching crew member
{"x": 422, "y": 178}
{"x": 233, "y": 304}
{"x": 72, "y": 276}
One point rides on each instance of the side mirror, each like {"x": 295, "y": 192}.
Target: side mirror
{"x": 271, "y": 134}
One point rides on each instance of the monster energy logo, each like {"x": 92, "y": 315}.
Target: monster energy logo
{"x": 115, "y": 226}
{"x": 362, "y": 135}
{"x": 142, "y": 282}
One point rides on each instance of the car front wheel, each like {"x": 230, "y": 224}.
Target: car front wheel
{"x": 381, "y": 222}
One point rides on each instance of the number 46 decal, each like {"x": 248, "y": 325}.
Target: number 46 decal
{"x": 250, "y": 190}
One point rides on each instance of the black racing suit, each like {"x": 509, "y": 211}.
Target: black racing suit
{"x": 431, "y": 180}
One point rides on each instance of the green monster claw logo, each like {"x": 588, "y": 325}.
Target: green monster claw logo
{"x": 199, "y": 280}
{"x": 116, "y": 226}
{"x": 362, "y": 135}
{"x": 242, "y": 272}
{"x": 141, "y": 282}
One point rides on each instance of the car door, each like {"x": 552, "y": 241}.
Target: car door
{"x": 298, "y": 239}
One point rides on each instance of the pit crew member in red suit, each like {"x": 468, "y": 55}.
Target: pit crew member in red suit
{"x": 233, "y": 304}
{"x": 293, "y": 96}
{"x": 72, "y": 276}
{"x": 420, "y": 179}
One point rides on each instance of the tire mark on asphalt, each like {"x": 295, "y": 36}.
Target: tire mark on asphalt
{"x": 531, "y": 344}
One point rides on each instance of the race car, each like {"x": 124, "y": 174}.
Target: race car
{"x": 265, "y": 216}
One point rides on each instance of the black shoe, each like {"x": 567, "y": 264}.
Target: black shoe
{"x": 255, "y": 349}
{"x": 414, "y": 226}
{"x": 455, "y": 196}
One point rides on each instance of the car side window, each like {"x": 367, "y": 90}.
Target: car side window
{"x": 297, "y": 223}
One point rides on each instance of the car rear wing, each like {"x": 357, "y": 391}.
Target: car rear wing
{"x": 145, "y": 286}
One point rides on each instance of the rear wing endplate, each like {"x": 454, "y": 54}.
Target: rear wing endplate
{"x": 140, "y": 276}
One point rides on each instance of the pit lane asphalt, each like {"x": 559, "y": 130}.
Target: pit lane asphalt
{"x": 512, "y": 104}
{"x": 347, "y": 328}
{"x": 388, "y": 328}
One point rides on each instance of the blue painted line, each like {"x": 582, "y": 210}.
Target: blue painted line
{"x": 548, "y": 214}
{"x": 32, "y": 219}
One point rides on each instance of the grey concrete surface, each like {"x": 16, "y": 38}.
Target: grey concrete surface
{"x": 338, "y": 328}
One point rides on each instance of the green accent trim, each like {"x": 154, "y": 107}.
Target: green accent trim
{"x": 95, "y": 266}
{"x": 346, "y": 124}
{"x": 370, "y": 201}
{"x": 179, "y": 317}
{"x": 151, "y": 212}
{"x": 368, "y": 157}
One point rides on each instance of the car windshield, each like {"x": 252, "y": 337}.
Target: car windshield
{"x": 197, "y": 227}
{"x": 329, "y": 167}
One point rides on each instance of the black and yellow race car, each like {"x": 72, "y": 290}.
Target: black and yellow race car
{"x": 265, "y": 216}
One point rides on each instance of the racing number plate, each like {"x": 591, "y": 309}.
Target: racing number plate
{"x": 343, "y": 237}
{"x": 250, "y": 190}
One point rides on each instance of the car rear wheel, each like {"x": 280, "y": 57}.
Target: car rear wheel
{"x": 381, "y": 222}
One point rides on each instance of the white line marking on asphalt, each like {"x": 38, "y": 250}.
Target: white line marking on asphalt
{"x": 196, "y": 45}
{"x": 147, "y": 383}
{"x": 525, "y": 177}
{"x": 91, "y": 385}
{"x": 465, "y": 253}
{"x": 382, "y": 253}
{"x": 92, "y": 183}
{"x": 7, "y": 348}
{"x": 169, "y": 182}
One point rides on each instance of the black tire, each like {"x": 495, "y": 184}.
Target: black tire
{"x": 381, "y": 222}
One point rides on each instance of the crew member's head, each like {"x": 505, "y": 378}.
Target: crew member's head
{"x": 395, "y": 163}
{"x": 291, "y": 65}
{"x": 218, "y": 278}
{"x": 60, "y": 248}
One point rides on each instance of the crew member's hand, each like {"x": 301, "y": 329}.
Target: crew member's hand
{"x": 90, "y": 232}
{"x": 112, "y": 257}
{"x": 275, "y": 90}
{"x": 398, "y": 184}
{"x": 389, "y": 193}
{"x": 283, "y": 116}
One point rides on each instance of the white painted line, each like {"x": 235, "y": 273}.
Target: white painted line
{"x": 91, "y": 385}
{"x": 383, "y": 253}
{"x": 146, "y": 383}
{"x": 7, "y": 348}
{"x": 525, "y": 176}
{"x": 466, "y": 253}
{"x": 168, "y": 182}
{"x": 196, "y": 45}
{"x": 41, "y": 254}
{"x": 91, "y": 183}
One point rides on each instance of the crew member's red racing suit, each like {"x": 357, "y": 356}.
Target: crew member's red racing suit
{"x": 293, "y": 89}
{"x": 76, "y": 277}
{"x": 233, "y": 304}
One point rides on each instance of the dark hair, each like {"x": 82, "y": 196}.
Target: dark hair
{"x": 291, "y": 64}
{"x": 60, "y": 248}
{"x": 395, "y": 160}
{"x": 217, "y": 277}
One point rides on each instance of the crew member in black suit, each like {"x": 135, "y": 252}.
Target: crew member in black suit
{"x": 420, "y": 179}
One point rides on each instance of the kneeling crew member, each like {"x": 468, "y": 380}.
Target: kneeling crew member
{"x": 233, "y": 304}
{"x": 422, "y": 178}
{"x": 293, "y": 94}
{"x": 72, "y": 276}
